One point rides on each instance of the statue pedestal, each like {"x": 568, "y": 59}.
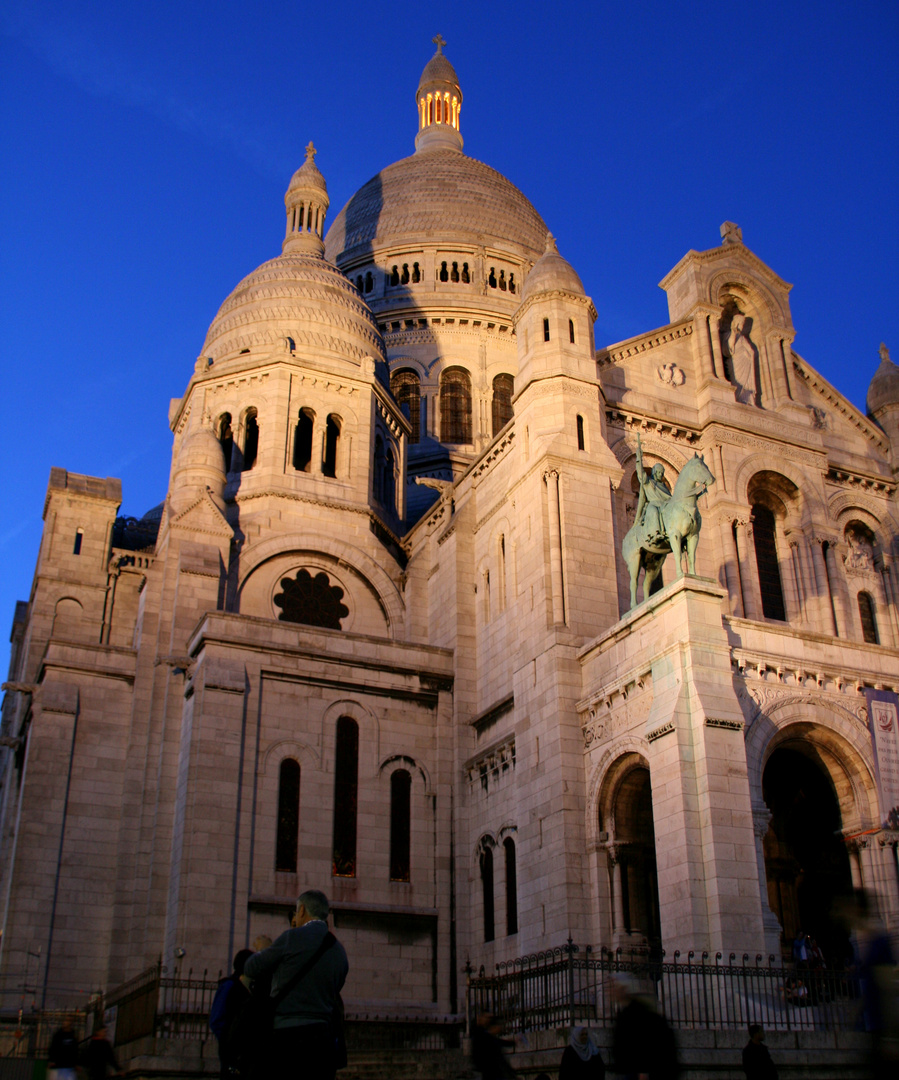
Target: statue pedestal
{"x": 672, "y": 653}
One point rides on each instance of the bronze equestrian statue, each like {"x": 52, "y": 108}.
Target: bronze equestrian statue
{"x": 666, "y": 521}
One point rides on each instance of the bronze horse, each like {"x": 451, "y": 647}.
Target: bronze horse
{"x": 681, "y": 522}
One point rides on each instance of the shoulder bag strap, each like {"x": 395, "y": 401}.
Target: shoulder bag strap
{"x": 327, "y": 941}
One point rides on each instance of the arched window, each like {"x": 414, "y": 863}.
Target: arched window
{"x": 378, "y": 471}
{"x": 226, "y": 438}
{"x": 416, "y": 274}
{"x": 443, "y": 275}
{"x": 466, "y": 277}
{"x": 400, "y": 824}
{"x": 250, "y": 440}
{"x": 571, "y": 331}
{"x": 512, "y": 285}
{"x": 288, "y": 816}
{"x": 346, "y": 784}
{"x": 546, "y": 329}
{"x": 369, "y": 282}
{"x": 487, "y": 891}
{"x": 455, "y": 406}
{"x": 580, "y": 433}
{"x": 491, "y": 280}
{"x": 389, "y": 497}
{"x": 302, "y": 441}
{"x": 866, "y": 614}
{"x": 503, "y": 389}
{"x": 79, "y": 537}
{"x": 406, "y": 388}
{"x": 766, "y": 560}
{"x": 332, "y": 438}
{"x": 359, "y": 282}
{"x": 511, "y": 887}
{"x": 454, "y": 273}
{"x": 395, "y": 276}
{"x": 404, "y": 277}
{"x": 502, "y": 280}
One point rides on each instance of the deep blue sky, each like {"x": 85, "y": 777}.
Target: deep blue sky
{"x": 147, "y": 149}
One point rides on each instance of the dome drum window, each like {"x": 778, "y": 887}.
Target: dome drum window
{"x": 455, "y": 406}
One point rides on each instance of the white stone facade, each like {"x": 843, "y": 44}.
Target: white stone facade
{"x": 582, "y": 769}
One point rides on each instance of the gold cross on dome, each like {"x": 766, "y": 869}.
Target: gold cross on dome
{"x": 310, "y": 151}
{"x": 439, "y": 42}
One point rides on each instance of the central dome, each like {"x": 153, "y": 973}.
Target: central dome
{"x": 434, "y": 196}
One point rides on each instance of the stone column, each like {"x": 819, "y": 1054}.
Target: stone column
{"x": 788, "y": 582}
{"x": 888, "y": 843}
{"x": 715, "y": 335}
{"x": 703, "y": 346}
{"x": 827, "y": 606}
{"x": 761, "y": 820}
{"x": 732, "y": 569}
{"x": 551, "y": 479}
{"x": 615, "y": 908}
{"x": 774, "y": 348}
{"x": 839, "y": 593}
{"x": 752, "y": 601}
{"x": 799, "y": 576}
{"x": 885, "y": 582}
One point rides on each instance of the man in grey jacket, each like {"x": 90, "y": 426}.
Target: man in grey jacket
{"x": 303, "y": 1036}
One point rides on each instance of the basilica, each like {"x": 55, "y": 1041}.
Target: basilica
{"x": 391, "y": 633}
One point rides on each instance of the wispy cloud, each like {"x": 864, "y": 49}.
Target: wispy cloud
{"x": 73, "y": 51}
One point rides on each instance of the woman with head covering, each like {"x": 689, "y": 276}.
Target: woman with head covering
{"x": 581, "y": 1060}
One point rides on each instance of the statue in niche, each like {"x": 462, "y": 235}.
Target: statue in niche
{"x": 740, "y": 354}
{"x": 861, "y": 551}
{"x": 667, "y": 521}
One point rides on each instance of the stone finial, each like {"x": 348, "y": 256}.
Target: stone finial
{"x": 550, "y": 247}
{"x": 310, "y": 152}
{"x": 884, "y": 353}
{"x": 439, "y": 42}
{"x": 731, "y": 233}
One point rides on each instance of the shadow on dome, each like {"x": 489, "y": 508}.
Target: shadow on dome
{"x": 425, "y": 455}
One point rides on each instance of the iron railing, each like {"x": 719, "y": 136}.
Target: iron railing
{"x": 567, "y": 985}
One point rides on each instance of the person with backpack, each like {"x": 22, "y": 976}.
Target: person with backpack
{"x": 309, "y": 967}
{"x": 229, "y": 997}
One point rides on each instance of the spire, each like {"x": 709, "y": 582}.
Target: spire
{"x": 439, "y": 102}
{"x": 307, "y": 203}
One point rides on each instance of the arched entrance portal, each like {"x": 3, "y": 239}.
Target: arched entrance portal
{"x": 636, "y": 850}
{"x": 806, "y": 862}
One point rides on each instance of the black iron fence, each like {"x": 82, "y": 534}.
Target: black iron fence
{"x": 570, "y": 985}
{"x": 156, "y": 1005}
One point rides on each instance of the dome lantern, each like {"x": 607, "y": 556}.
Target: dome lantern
{"x": 439, "y": 101}
{"x": 307, "y": 203}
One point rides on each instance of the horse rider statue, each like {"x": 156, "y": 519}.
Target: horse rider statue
{"x": 654, "y": 493}
{"x": 667, "y": 521}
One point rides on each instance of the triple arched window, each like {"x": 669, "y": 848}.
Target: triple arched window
{"x": 346, "y": 808}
